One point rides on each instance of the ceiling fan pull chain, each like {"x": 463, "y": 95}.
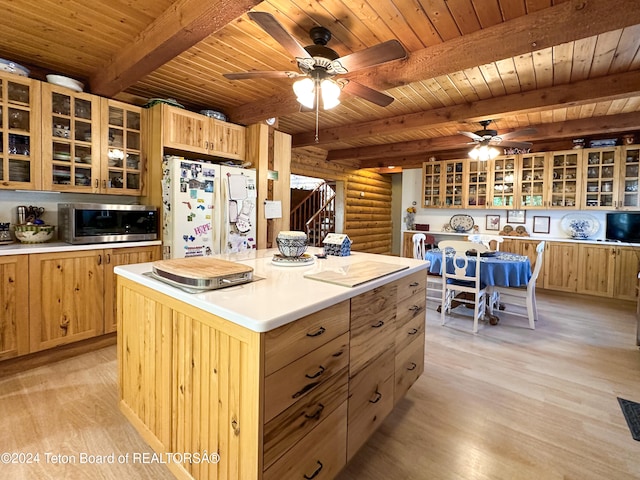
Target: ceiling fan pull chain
{"x": 317, "y": 109}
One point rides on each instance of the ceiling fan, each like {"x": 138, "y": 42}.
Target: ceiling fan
{"x": 318, "y": 63}
{"x": 486, "y": 137}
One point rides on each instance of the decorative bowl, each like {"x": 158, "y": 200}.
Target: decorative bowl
{"x": 292, "y": 244}
{"x": 13, "y": 67}
{"x": 34, "y": 233}
{"x": 214, "y": 114}
{"x": 67, "y": 82}
{"x": 580, "y": 225}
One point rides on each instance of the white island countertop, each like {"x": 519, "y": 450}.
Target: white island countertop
{"x": 281, "y": 294}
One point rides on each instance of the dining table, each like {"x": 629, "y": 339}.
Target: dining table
{"x": 502, "y": 269}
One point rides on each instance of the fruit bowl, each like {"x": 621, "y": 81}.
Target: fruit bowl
{"x": 34, "y": 233}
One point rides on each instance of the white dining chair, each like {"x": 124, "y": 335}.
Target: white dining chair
{"x": 459, "y": 282}
{"x": 418, "y": 245}
{"x": 521, "y": 296}
{"x": 434, "y": 282}
{"x": 492, "y": 242}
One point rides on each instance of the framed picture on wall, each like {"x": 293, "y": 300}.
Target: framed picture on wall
{"x": 493, "y": 222}
{"x": 541, "y": 224}
{"x": 516, "y": 216}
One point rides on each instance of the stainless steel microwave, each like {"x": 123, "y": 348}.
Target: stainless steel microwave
{"x": 80, "y": 223}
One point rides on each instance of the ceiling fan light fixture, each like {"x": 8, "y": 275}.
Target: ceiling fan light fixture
{"x": 483, "y": 153}
{"x": 305, "y": 92}
{"x": 330, "y": 91}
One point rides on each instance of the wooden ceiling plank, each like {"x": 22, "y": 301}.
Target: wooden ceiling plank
{"x": 419, "y": 22}
{"x": 488, "y": 12}
{"x": 562, "y": 59}
{"x": 525, "y": 71}
{"x": 478, "y": 83}
{"x": 509, "y": 76}
{"x": 493, "y": 79}
{"x": 464, "y": 15}
{"x": 395, "y": 21}
{"x": 543, "y": 67}
{"x": 561, "y": 129}
{"x": 621, "y": 85}
{"x": 463, "y": 85}
{"x": 582, "y": 58}
{"x": 512, "y": 9}
{"x": 441, "y": 19}
{"x": 180, "y": 27}
{"x": 627, "y": 49}
{"x": 604, "y": 52}
{"x": 535, "y": 5}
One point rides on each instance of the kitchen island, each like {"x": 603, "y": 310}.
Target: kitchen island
{"x": 282, "y": 377}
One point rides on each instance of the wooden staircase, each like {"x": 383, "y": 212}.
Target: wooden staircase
{"x": 315, "y": 214}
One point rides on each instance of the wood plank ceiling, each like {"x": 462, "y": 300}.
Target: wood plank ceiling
{"x": 568, "y": 68}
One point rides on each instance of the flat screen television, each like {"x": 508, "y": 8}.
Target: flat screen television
{"x": 624, "y": 227}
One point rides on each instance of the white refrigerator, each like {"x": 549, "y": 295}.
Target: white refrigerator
{"x": 207, "y": 208}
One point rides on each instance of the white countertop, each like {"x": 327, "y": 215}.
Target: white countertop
{"x": 282, "y": 294}
{"x": 18, "y": 248}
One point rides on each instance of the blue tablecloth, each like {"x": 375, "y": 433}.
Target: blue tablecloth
{"x": 504, "y": 270}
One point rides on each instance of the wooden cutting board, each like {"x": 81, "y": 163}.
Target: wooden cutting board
{"x": 356, "y": 274}
{"x": 200, "y": 268}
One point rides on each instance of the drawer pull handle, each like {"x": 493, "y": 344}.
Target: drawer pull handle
{"x": 413, "y": 331}
{"x": 412, "y": 367}
{"x": 378, "y": 325}
{"x": 414, "y": 284}
{"x": 377, "y": 398}
{"x": 415, "y": 308}
{"x": 316, "y": 414}
{"x": 317, "y": 374}
{"x": 313, "y": 475}
{"x": 320, "y": 331}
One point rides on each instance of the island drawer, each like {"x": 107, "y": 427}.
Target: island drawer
{"x": 370, "y": 400}
{"x": 319, "y": 455}
{"x": 409, "y": 366}
{"x": 289, "y": 342}
{"x": 407, "y": 332}
{"x": 287, "y": 428}
{"x": 410, "y": 308}
{"x": 412, "y": 284}
{"x": 372, "y": 325}
{"x": 289, "y": 384}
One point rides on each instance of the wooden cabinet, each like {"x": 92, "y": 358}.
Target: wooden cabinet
{"x": 600, "y": 178}
{"x": 629, "y": 186}
{"x": 66, "y": 294}
{"x": 595, "y": 269}
{"x": 477, "y": 184}
{"x": 14, "y": 298}
{"x": 193, "y": 132}
{"x": 532, "y": 172}
{"x": 625, "y": 272}
{"x": 123, "y": 163}
{"x": 20, "y": 163}
{"x": 564, "y": 179}
{"x": 443, "y": 183}
{"x": 431, "y": 172}
{"x": 112, "y": 258}
{"x": 503, "y": 180}
{"x": 561, "y": 266}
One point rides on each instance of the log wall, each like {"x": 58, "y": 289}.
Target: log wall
{"x": 368, "y": 217}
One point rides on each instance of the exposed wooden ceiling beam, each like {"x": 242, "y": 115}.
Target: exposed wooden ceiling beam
{"x": 572, "y": 128}
{"x": 579, "y": 93}
{"x": 181, "y": 26}
{"x": 545, "y": 28}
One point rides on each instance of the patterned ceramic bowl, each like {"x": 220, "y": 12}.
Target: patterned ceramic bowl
{"x": 292, "y": 244}
{"x": 34, "y": 233}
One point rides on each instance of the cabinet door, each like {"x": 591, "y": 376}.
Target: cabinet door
{"x": 66, "y": 292}
{"x": 627, "y": 266}
{"x": 113, "y": 258}
{"x": 122, "y": 157}
{"x": 453, "y": 186}
{"x": 561, "y": 267}
{"x": 477, "y": 185}
{"x": 595, "y": 269}
{"x": 20, "y": 158}
{"x": 629, "y": 197}
{"x": 431, "y": 179}
{"x": 503, "y": 182}
{"x": 228, "y": 140}
{"x": 533, "y": 193}
{"x": 14, "y": 298}
{"x": 600, "y": 178}
{"x": 70, "y": 140}
{"x": 185, "y": 130}
{"x": 564, "y": 179}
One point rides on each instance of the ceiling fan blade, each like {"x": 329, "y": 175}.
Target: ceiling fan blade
{"x": 507, "y": 143}
{"x": 270, "y": 25}
{"x": 373, "y": 96}
{"x": 381, "y": 53}
{"x": 471, "y": 135}
{"x": 518, "y": 133}
{"x": 256, "y": 74}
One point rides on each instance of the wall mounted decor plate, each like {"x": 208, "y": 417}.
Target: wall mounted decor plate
{"x": 580, "y": 225}
{"x": 461, "y": 223}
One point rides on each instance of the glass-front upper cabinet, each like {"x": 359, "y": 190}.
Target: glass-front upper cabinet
{"x": 600, "y": 179}
{"x": 70, "y": 140}
{"x": 19, "y": 132}
{"x": 532, "y": 181}
{"x": 453, "y": 184}
{"x": 431, "y": 174}
{"x": 629, "y": 198}
{"x": 121, "y": 128}
{"x": 503, "y": 182}
{"x": 564, "y": 179}
{"x": 477, "y": 184}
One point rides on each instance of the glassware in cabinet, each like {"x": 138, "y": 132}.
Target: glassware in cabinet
{"x": 71, "y": 154}
{"x": 453, "y": 184}
{"x": 600, "y": 178}
{"x": 503, "y": 181}
{"x": 477, "y": 184}
{"x": 431, "y": 177}
{"x": 630, "y": 177}
{"x": 564, "y": 179}
{"x": 532, "y": 180}
{"x": 124, "y": 169}
{"x": 19, "y": 132}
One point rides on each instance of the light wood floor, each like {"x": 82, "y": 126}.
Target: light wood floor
{"x": 508, "y": 403}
